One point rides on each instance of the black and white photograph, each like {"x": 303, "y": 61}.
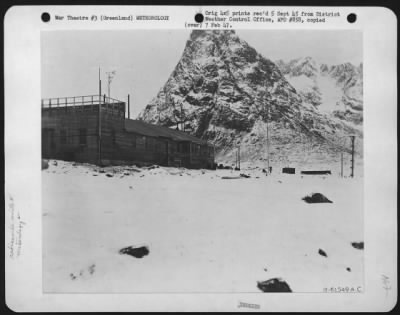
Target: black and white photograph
{"x": 202, "y": 161}
{"x": 200, "y": 158}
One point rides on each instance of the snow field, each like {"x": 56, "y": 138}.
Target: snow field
{"x": 204, "y": 233}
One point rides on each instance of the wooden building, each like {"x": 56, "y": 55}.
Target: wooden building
{"x": 95, "y": 129}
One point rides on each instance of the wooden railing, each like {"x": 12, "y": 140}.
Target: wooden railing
{"x": 78, "y": 101}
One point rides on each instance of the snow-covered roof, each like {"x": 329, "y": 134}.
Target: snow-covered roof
{"x": 146, "y": 129}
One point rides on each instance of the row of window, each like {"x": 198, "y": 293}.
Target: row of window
{"x": 148, "y": 143}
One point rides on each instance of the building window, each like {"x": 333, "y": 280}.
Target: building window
{"x": 82, "y": 136}
{"x": 63, "y": 136}
{"x": 195, "y": 149}
{"x": 145, "y": 142}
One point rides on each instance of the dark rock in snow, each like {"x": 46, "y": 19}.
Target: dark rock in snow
{"x": 348, "y": 269}
{"x": 274, "y": 285}
{"x": 45, "y": 165}
{"x": 358, "y": 245}
{"x": 322, "y": 253}
{"x": 231, "y": 177}
{"x": 91, "y": 269}
{"x": 151, "y": 167}
{"x": 316, "y": 198}
{"x": 137, "y": 252}
{"x": 245, "y": 175}
{"x": 109, "y": 175}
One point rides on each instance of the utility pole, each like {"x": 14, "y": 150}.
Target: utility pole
{"x": 110, "y": 76}
{"x": 99, "y": 131}
{"x": 236, "y": 160}
{"x": 129, "y": 107}
{"x": 267, "y": 139}
{"x": 341, "y": 164}
{"x": 239, "y": 156}
{"x": 182, "y": 120}
{"x": 352, "y": 155}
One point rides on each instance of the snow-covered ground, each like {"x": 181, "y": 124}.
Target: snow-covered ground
{"x": 204, "y": 233}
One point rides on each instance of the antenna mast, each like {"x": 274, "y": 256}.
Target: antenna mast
{"x": 99, "y": 123}
{"x": 110, "y": 76}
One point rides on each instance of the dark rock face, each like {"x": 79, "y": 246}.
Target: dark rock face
{"x": 316, "y": 198}
{"x": 137, "y": 252}
{"x": 220, "y": 91}
{"x": 358, "y": 245}
{"x": 274, "y": 285}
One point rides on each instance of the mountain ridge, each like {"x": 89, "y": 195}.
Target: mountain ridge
{"x": 222, "y": 90}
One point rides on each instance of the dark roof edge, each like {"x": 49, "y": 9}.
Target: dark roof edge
{"x": 146, "y": 129}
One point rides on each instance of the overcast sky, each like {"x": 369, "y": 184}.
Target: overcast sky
{"x": 143, "y": 60}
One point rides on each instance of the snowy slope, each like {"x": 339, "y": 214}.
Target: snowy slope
{"x": 335, "y": 90}
{"x": 224, "y": 91}
{"x": 204, "y": 233}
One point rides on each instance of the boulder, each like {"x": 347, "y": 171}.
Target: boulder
{"x": 137, "y": 252}
{"x": 316, "y": 198}
{"x": 358, "y": 245}
{"x": 274, "y": 285}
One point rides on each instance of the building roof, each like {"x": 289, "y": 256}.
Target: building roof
{"x": 146, "y": 129}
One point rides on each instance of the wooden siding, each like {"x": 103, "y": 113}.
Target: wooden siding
{"x": 70, "y": 122}
{"x": 117, "y": 144}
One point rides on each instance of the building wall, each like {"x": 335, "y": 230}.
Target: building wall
{"x": 117, "y": 145}
{"x": 70, "y": 135}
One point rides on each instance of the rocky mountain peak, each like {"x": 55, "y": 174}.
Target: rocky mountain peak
{"x": 224, "y": 91}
